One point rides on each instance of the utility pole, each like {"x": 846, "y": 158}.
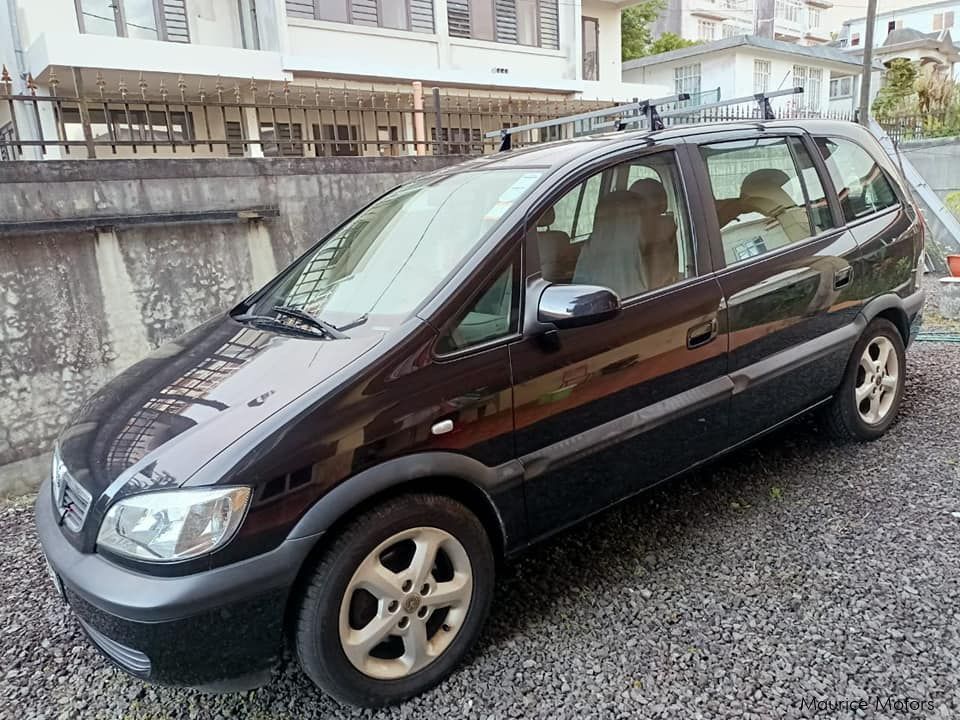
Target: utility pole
{"x": 863, "y": 116}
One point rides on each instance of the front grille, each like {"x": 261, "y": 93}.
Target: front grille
{"x": 129, "y": 659}
{"x": 73, "y": 503}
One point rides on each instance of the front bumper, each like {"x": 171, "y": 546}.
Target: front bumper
{"x": 221, "y": 628}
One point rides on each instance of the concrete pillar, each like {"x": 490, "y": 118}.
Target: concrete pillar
{"x": 122, "y": 311}
{"x": 263, "y": 265}
{"x": 254, "y": 149}
{"x": 950, "y": 297}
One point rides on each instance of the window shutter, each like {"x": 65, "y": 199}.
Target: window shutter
{"x": 549, "y": 24}
{"x": 458, "y": 18}
{"x": 506, "y": 22}
{"x": 364, "y": 12}
{"x": 300, "y": 9}
{"x": 175, "y": 24}
{"x": 421, "y": 16}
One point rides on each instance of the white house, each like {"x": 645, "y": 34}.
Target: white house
{"x": 349, "y": 52}
{"x": 747, "y": 64}
{"x": 799, "y": 21}
{"x": 927, "y": 18}
{"x": 934, "y": 51}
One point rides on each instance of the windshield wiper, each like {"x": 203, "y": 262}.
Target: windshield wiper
{"x": 326, "y": 328}
{"x": 276, "y": 324}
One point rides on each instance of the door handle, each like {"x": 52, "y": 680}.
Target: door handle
{"x": 842, "y": 277}
{"x": 701, "y": 334}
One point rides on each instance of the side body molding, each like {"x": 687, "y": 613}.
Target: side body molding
{"x": 500, "y": 488}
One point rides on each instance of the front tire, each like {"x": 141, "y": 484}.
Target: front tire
{"x": 396, "y": 601}
{"x": 868, "y": 400}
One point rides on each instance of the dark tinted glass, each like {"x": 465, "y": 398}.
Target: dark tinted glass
{"x": 861, "y": 184}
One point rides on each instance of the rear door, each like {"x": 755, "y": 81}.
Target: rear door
{"x": 786, "y": 266}
{"x": 603, "y": 411}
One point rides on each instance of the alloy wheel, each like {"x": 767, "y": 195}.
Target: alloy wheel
{"x": 405, "y": 603}
{"x": 878, "y": 379}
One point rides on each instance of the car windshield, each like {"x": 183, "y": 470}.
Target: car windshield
{"x": 391, "y": 257}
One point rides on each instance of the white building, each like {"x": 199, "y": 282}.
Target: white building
{"x": 278, "y": 51}
{"x": 934, "y": 51}
{"x": 741, "y": 66}
{"x": 927, "y": 18}
{"x": 799, "y": 21}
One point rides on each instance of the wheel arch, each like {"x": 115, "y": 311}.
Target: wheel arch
{"x": 890, "y": 307}
{"x": 456, "y": 476}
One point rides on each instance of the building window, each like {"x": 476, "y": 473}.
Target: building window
{"x": 456, "y": 141}
{"x": 686, "y": 79}
{"x": 855, "y": 39}
{"x": 415, "y": 15}
{"x": 841, "y": 87}
{"x": 591, "y": 45}
{"x": 728, "y": 30}
{"x": 816, "y": 18}
{"x": 788, "y": 11}
{"x": 761, "y": 75}
{"x": 811, "y": 80}
{"x": 521, "y": 22}
{"x": 281, "y": 139}
{"x": 143, "y": 19}
{"x": 706, "y": 30}
{"x": 339, "y": 140}
{"x": 130, "y": 125}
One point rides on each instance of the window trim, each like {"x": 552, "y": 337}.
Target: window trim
{"x": 515, "y": 257}
{"x": 120, "y": 19}
{"x": 720, "y": 264}
{"x": 687, "y": 178}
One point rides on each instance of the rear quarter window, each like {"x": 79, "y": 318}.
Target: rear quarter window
{"x": 862, "y": 185}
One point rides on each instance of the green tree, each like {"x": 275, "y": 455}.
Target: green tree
{"x": 635, "y": 22}
{"x": 667, "y": 42}
{"x": 899, "y": 87}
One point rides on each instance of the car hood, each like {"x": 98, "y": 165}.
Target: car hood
{"x": 158, "y": 422}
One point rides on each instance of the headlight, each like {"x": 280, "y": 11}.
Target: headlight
{"x": 170, "y": 525}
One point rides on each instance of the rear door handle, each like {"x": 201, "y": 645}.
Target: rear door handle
{"x": 842, "y": 277}
{"x": 701, "y": 334}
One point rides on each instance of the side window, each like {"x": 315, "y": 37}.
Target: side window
{"x": 492, "y": 315}
{"x": 624, "y": 228}
{"x": 761, "y": 198}
{"x": 861, "y": 184}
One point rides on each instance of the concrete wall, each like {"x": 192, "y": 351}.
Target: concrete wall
{"x": 78, "y": 307}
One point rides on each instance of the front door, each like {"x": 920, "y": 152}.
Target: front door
{"x": 788, "y": 277}
{"x": 603, "y": 411}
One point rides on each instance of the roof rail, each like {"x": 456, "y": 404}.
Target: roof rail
{"x": 762, "y": 99}
{"x": 648, "y": 108}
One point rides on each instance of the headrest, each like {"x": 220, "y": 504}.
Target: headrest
{"x": 547, "y": 217}
{"x": 759, "y": 182}
{"x": 652, "y": 194}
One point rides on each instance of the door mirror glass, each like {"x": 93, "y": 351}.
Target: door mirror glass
{"x": 570, "y": 306}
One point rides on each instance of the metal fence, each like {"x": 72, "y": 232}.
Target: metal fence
{"x": 272, "y": 120}
{"x": 288, "y": 120}
{"x": 921, "y": 126}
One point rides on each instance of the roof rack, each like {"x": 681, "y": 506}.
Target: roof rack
{"x": 622, "y": 111}
{"x": 647, "y": 111}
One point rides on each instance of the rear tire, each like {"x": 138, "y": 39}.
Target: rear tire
{"x": 869, "y": 398}
{"x": 396, "y": 601}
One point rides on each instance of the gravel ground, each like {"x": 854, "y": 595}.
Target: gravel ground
{"x": 799, "y": 568}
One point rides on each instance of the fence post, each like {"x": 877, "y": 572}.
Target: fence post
{"x": 438, "y": 119}
{"x": 85, "y": 114}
